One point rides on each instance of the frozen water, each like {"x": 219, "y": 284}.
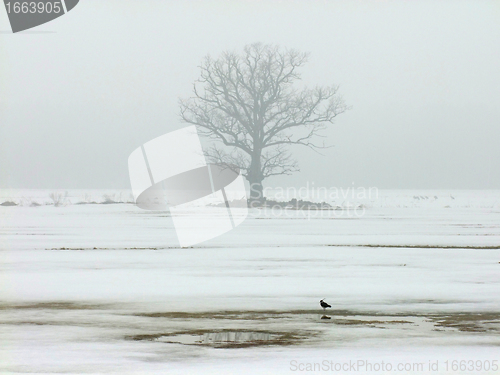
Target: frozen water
{"x": 78, "y": 282}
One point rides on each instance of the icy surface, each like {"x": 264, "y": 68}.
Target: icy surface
{"x": 78, "y": 281}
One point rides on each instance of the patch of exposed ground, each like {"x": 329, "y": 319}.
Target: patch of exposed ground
{"x": 421, "y": 246}
{"x": 55, "y": 305}
{"x": 245, "y": 328}
{"x": 462, "y": 321}
{"x": 468, "y": 322}
{"x": 247, "y": 314}
{"x": 370, "y": 323}
{"x": 225, "y": 338}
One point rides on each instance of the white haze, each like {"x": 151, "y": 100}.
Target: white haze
{"x": 78, "y": 94}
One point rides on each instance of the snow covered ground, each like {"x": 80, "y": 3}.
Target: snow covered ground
{"x": 412, "y": 277}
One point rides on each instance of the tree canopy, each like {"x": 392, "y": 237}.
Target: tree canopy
{"x": 248, "y": 102}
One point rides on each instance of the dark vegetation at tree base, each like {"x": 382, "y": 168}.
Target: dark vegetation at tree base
{"x": 293, "y": 204}
{"x": 8, "y": 203}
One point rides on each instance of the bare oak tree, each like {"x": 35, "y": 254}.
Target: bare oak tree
{"x": 248, "y": 102}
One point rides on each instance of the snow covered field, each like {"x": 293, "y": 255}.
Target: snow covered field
{"x": 97, "y": 288}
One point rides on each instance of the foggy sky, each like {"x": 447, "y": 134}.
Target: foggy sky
{"x": 79, "y": 94}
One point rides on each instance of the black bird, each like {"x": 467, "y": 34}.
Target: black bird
{"x": 324, "y": 305}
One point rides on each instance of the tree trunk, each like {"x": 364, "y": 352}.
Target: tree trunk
{"x": 255, "y": 179}
{"x": 256, "y": 194}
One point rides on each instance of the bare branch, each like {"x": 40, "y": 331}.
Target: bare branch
{"x": 248, "y": 103}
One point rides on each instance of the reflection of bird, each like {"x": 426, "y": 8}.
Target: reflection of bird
{"x": 324, "y": 305}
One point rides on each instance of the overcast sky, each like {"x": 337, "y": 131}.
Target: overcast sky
{"x": 80, "y": 93}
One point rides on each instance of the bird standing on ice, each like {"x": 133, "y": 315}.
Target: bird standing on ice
{"x": 323, "y": 304}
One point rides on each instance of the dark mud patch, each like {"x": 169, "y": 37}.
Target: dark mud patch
{"x": 370, "y": 323}
{"x": 110, "y": 248}
{"x": 430, "y": 301}
{"x": 219, "y": 315}
{"x": 244, "y": 314}
{"x": 56, "y": 305}
{"x": 226, "y": 339}
{"x": 478, "y": 247}
{"x": 468, "y": 322}
{"x": 485, "y": 322}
